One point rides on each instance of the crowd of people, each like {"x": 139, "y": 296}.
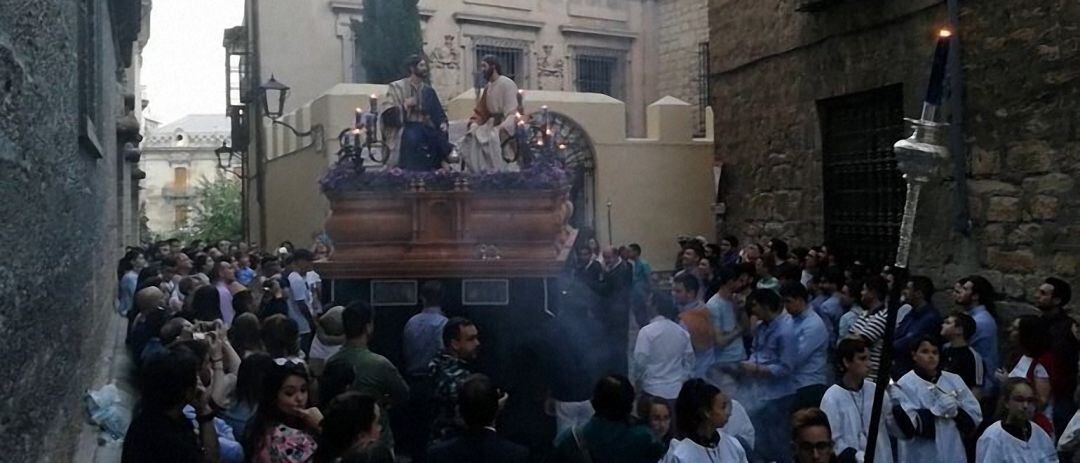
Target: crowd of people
{"x": 794, "y": 337}
{"x": 754, "y": 353}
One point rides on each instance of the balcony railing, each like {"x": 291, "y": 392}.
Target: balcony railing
{"x": 173, "y": 192}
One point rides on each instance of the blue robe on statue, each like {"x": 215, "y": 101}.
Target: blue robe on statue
{"x": 424, "y": 145}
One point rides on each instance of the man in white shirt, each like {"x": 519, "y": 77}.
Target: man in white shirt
{"x": 663, "y": 355}
{"x": 299, "y": 298}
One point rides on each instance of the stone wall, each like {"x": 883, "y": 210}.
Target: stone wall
{"x": 1020, "y": 63}
{"x": 683, "y": 26}
{"x": 59, "y": 209}
{"x": 771, "y": 65}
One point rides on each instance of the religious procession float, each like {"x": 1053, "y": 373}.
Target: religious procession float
{"x": 481, "y": 205}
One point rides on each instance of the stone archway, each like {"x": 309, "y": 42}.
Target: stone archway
{"x": 577, "y": 154}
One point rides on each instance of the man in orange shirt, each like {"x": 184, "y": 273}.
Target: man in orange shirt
{"x": 694, "y": 317}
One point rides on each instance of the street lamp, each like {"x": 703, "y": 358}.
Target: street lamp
{"x": 225, "y": 155}
{"x": 278, "y": 92}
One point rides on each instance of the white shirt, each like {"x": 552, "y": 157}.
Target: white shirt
{"x": 663, "y": 358}
{"x": 849, "y": 416}
{"x": 740, "y": 426}
{"x": 727, "y": 450}
{"x": 313, "y": 279}
{"x": 915, "y": 393}
{"x": 998, "y": 446}
{"x": 297, "y": 291}
{"x": 320, "y": 351}
{"x": 1022, "y": 367}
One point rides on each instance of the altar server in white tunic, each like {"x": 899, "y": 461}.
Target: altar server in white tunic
{"x": 739, "y": 425}
{"x": 699, "y": 411}
{"x": 1016, "y": 439}
{"x": 849, "y": 404}
{"x": 935, "y": 408}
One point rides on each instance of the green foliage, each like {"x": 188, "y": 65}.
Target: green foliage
{"x": 389, "y": 33}
{"x": 217, "y": 214}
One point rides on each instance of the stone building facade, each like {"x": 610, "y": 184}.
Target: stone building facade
{"x": 634, "y": 50}
{"x": 683, "y": 49}
{"x": 69, "y": 133}
{"x": 808, "y": 105}
{"x": 177, "y": 158}
{"x": 611, "y": 47}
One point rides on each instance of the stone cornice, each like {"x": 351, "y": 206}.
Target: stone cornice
{"x": 358, "y": 8}
{"x": 612, "y": 34}
{"x": 499, "y": 22}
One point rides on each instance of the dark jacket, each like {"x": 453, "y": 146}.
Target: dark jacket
{"x": 478, "y": 446}
{"x": 608, "y": 442}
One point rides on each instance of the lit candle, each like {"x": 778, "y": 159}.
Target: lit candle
{"x": 373, "y": 101}
{"x": 935, "y": 87}
{"x": 356, "y": 137}
{"x": 521, "y": 99}
{"x": 359, "y": 118}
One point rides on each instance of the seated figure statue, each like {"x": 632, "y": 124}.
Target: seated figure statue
{"x": 414, "y": 121}
{"x": 491, "y": 128}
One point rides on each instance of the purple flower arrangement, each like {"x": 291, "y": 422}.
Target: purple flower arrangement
{"x": 349, "y": 174}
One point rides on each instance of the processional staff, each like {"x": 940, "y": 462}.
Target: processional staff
{"x": 918, "y": 157}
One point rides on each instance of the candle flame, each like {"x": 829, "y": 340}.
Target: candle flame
{"x": 562, "y": 147}
{"x": 373, "y": 96}
{"x": 540, "y": 143}
{"x": 544, "y": 107}
{"x": 356, "y": 131}
{"x": 358, "y": 110}
{"x": 944, "y": 33}
{"x": 522, "y": 92}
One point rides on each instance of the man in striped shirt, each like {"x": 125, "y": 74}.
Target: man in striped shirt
{"x": 871, "y": 327}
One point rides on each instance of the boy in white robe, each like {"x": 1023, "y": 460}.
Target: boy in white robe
{"x": 1016, "y": 439}
{"x": 935, "y": 408}
{"x": 849, "y": 405}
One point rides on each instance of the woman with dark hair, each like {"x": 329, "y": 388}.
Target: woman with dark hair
{"x": 700, "y": 411}
{"x": 245, "y": 336}
{"x": 206, "y": 304}
{"x": 281, "y": 337}
{"x": 283, "y": 429}
{"x": 128, "y": 272}
{"x": 351, "y": 424}
{"x": 245, "y": 396}
{"x": 1031, "y": 360}
{"x": 159, "y": 431}
{"x": 706, "y": 272}
{"x": 1015, "y": 438}
{"x": 243, "y": 300}
{"x": 203, "y": 264}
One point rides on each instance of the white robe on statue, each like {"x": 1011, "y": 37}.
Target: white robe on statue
{"x": 481, "y": 148}
{"x": 998, "y": 446}
{"x": 915, "y": 393}
{"x": 727, "y": 450}
{"x": 849, "y": 416}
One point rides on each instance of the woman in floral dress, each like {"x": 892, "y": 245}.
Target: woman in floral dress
{"x": 284, "y": 429}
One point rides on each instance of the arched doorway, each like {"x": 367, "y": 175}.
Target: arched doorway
{"x": 576, "y": 153}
